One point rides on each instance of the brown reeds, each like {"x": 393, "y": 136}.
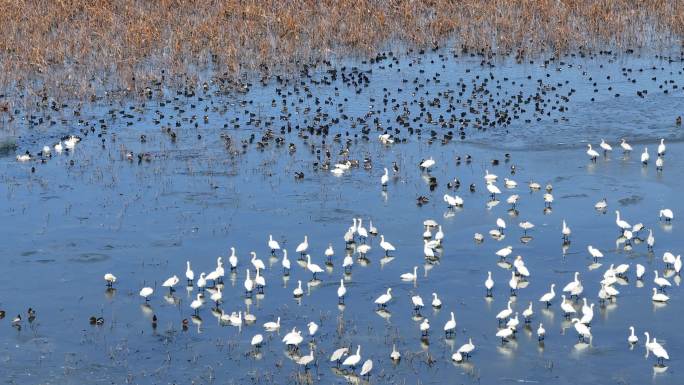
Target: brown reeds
{"x": 84, "y": 47}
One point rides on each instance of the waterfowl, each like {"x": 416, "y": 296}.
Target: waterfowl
{"x": 312, "y": 267}
{"x": 565, "y": 231}
{"x": 666, "y": 214}
{"x": 303, "y": 247}
{"x": 272, "y": 244}
{"x": 171, "y": 282}
{"x": 493, "y": 190}
{"x": 583, "y": 331}
{"x": 285, "y": 262}
{"x": 467, "y": 348}
{"x": 661, "y": 148}
{"x": 660, "y": 353}
{"x": 189, "y": 274}
{"x": 526, "y": 225}
{"x": 436, "y": 302}
{"x": 427, "y": 164}
{"x": 425, "y": 327}
{"x": 410, "y": 276}
{"x": 668, "y": 258}
{"x": 386, "y": 245}
{"x": 363, "y": 233}
{"x": 505, "y": 313}
{"x": 395, "y": 355}
{"x": 645, "y": 157}
{"x": 337, "y": 355}
{"x": 650, "y": 240}
{"x": 329, "y": 252}
{"x": 248, "y": 284}
{"x": 513, "y": 283}
{"x": 593, "y": 154}
{"x": 501, "y": 224}
{"x": 489, "y": 284}
{"x": 622, "y": 224}
{"x": 509, "y": 183}
{"x": 257, "y": 340}
{"x": 567, "y": 308}
{"x": 232, "y": 260}
{"x": 366, "y": 368}
{"x": 341, "y": 291}
{"x": 353, "y": 359}
{"x": 146, "y": 292}
{"x": 632, "y": 338}
{"x": 256, "y": 262}
{"x": 625, "y": 146}
{"x": 259, "y": 281}
{"x": 548, "y": 199}
{"x": 202, "y": 281}
{"x": 660, "y": 281}
{"x": 457, "y": 357}
{"x": 605, "y": 146}
{"x": 659, "y": 297}
{"x": 548, "y": 297}
{"x": 313, "y": 328}
{"x": 504, "y": 334}
{"x": 520, "y": 268}
{"x": 453, "y": 201}
{"x": 217, "y": 296}
{"x": 450, "y": 325}
{"x": 640, "y": 270}
{"x": 601, "y": 205}
{"x": 504, "y": 252}
{"x": 513, "y": 200}
{"x": 110, "y": 279}
{"x": 298, "y": 291}
{"x": 384, "y": 178}
{"x": 541, "y": 332}
{"x": 490, "y": 178}
{"x": 197, "y": 303}
{"x": 272, "y": 326}
{"x": 306, "y": 360}
{"x": 587, "y": 313}
{"x": 527, "y": 313}
{"x": 595, "y": 253}
{"x": 384, "y": 298}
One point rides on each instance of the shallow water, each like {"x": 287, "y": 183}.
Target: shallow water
{"x": 66, "y": 225}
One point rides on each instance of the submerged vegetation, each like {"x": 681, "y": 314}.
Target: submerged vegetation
{"x": 82, "y": 48}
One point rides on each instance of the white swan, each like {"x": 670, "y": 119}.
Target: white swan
{"x": 304, "y": 246}
{"x": 593, "y": 154}
{"x": 548, "y": 297}
{"x": 272, "y": 244}
{"x": 384, "y": 178}
{"x": 386, "y": 245}
{"x": 312, "y": 267}
{"x": 384, "y": 298}
{"x": 410, "y": 276}
{"x": 450, "y": 325}
{"x": 644, "y": 156}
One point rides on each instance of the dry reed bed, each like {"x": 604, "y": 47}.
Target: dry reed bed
{"x": 79, "y": 47}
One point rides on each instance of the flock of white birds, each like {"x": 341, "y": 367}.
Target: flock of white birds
{"x": 574, "y": 304}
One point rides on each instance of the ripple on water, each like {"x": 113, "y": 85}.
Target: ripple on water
{"x": 90, "y": 258}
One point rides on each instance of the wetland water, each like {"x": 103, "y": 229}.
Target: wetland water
{"x": 66, "y": 225}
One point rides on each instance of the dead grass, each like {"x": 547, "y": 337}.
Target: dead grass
{"x": 81, "y": 47}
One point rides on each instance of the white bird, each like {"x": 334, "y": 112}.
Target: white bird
{"x": 595, "y": 253}
{"x": 293, "y": 339}
{"x": 450, "y": 325}
{"x": 272, "y": 244}
{"x": 366, "y": 368}
{"x": 668, "y": 258}
{"x": 384, "y": 178}
{"x": 467, "y": 348}
{"x": 501, "y": 224}
{"x": 385, "y": 139}
{"x": 478, "y": 237}
{"x": 436, "y": 302}
{"x": 659, "y": 164}
{"x": 593, "y": 154}
{"x": 509, "y": 183}
{"x": 257, "y": 263}
{"x": 587, "y": 313}
{"x": 659, "y": 297}
{"x": 505, "y": 313}
{"x": 313, "y": 328}
{"x": 285, "y": 262}
{"x": 329, "y": 252}
{"x": 601, "y": 205}
{"x": 678, "y": 264}
{"x": 348, "y": 262}
{"x": 548, "y": 199}
{"x": 217, "y": 297}
{"x": 489, "y": 283}
{"x": 425, "y": 327}
{"x": 528, "y": 313}
{"x": 386, "y": 245}
{"x": 493, "y": 190}
{"x": 640, "y": 270}
{"x": 660, "y": 281}
{"x": 566, "y": 307}
{"x": 453, "y": 201}
{"x": 417, "y": 303}
{"x": 257, "y": 340}
{"x": 110, "y": 279}
{"x": 625, "y": 146}
{"x": 526, "y": 225}
{"x": 353, "y": 359}
{"x": 341, "y": 291}
{"x": 58, "y": 147}
{"x": 644, "y": 156}
{"x": 650, "y": 240}
{"x": 505, "y": 252}
{"x": 171, "y": 282}
{"x": 232, "y": 260}
{"x": 513, "y": 199}
{"x": 573, "y": 284}
{"x": 541, "y": 332}
{"x": 259, "y": 281}
{"x": 272, "y": 326}
{"x": 197, "y": 303}
{"x": 426, "y": 164}
{"x": 338, "y": 354}
{"x": 622, "y": 224}
{"x": 513, "y": 283}
{"x": 189, "y": 274}
{"x": 605, "y": 146}
{"x": 249, "y": 284}
{"x": 363, "y": 233}
{"x": 548, "y": 297}
{"x": 304, "y": 246}
{"x": 661, "y": 148}
{"x": 504, "y": 333}
{"x": 566, "y": 231}
{"x": 489, "y": 178}
{"x": 312, "y": 267}
{"x": 410, "y": 276}
{"x": 632, "y": 339}
{"x": 146, "y": 292}
{"x": 660, "y": 353}
{"x": 520, "y": 267}
{"x": 202, "y": 281}
{"x": 395, "y": 355}
{"x": 384, "y": 298}
{"x": 666, "y": 214}
{"x": 306, "y": 360}
{"x": 298, "y": 292}
{"x": 583, "y": 331}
